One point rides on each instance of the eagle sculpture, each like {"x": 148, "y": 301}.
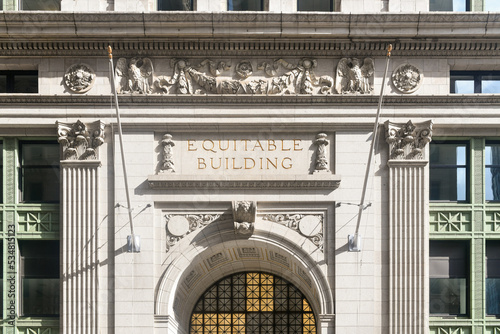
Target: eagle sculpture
{"x": 353, "y": 78}
{"x": 135, "y": 76}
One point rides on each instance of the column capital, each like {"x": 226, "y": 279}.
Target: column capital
{"x": 407, "y": 141}
{"x": 80, "y": 141}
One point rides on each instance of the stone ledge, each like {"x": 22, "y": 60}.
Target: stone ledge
{"x": 324, "y": 181}
{"x": 215, "y": 99}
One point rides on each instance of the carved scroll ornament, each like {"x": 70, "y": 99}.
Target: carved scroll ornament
{"x": 178, "y": 226}
{"x": 407, "y": 141}
{"x": 309, "y": 226}
{"x": 80, "y": 141}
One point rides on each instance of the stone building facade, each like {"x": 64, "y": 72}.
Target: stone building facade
{"x": 246, "y": 137}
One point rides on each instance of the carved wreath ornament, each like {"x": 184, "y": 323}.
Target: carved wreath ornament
{"x": 407, "y": 78}
{"x": 136, "y": 75}
{"x": 79, "y": 78}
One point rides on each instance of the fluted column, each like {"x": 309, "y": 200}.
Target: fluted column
{"x": 79, "y": 211}
{"x": 408, "y": 227}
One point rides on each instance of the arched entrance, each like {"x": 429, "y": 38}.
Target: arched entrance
{"x": 252, "y": 303}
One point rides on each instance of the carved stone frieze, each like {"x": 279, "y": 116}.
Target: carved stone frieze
{"x": 308, "y": 225}
{"x": 178, "y": 226}
{"x": 79, "y": 78}
{"x": 407, "y": 78}
{"x": 244, "y": 213}
{"x": 167, "y": 165}
{"x": 80, "y": 141}
{"x": 354, "y": 77}
{"x": 283, "y": 77}
{"x": 321, "y": 159}
{"x": 407, "y": 141}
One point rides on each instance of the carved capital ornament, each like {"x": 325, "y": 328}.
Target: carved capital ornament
{"x": 80, "y": 141}
{"x": 407, "y": 141}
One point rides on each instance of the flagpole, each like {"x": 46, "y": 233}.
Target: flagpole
{"x": 120, "y": 134}
{"x": 362, "y": 207}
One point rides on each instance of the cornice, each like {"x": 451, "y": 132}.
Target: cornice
{"x": 282, "y": 47}
{"x": 178, "y": 99}
{"x": 230, "y": 33}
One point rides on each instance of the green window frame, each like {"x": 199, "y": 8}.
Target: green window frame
{"x": 449, "y": 165}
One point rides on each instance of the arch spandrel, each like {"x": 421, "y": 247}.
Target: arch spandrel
{"x": 215, "y": 251}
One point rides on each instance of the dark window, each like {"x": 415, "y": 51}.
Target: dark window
{"x": 237, "y": 5}
{"x": 492, "y": 171}
{"x": 471, "y": 82}
{"x": 449, "y": 5}
{"x": 40, "y": 5}
{"x": 39, "y": 277}
{"x": 1, "y": 172}
{"x": 252, "y": 303}
{"x": 449, "y": 171}
{"x": 175, "y": 5}
{"x": 315, "y": 5}
{"x": 39, "y": 172}
{"x": 493, "y": 277}
{"x": 18, "y": 81}
{"x": 448, "y": 272}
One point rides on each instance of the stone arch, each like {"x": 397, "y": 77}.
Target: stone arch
{"x": 216, "y": 251}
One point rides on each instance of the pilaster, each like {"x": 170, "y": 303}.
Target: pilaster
{"x": 408, "y": 227}
{"x": 79, "y": 212}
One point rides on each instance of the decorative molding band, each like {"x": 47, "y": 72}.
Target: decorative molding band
{"x": 91, "y": 164}
{"x": 309, "y": 226}
{"x": 279, "y": 48}
{"x": 299, "y": 182}
{"x": 333, "y": 100}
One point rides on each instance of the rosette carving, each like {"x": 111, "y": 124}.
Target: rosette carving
{"x": 244, "y": 69}
{"x": 80, "y": 141}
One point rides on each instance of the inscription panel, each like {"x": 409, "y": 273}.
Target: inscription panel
{"x": 245, "y": 154}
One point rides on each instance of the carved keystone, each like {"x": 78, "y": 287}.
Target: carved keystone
{"x": 244, "y": 213}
